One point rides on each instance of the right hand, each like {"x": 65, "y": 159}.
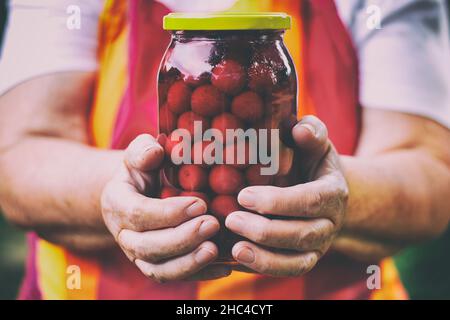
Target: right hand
{"x": 166, "y": 239}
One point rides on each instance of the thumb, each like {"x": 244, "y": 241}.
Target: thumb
{"x": 311, "y": 138}
{"x": 143, "y": 157}
{"x": 144, "y": 154}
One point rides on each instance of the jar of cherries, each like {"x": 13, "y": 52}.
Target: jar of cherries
{"x": 227, "y": 101}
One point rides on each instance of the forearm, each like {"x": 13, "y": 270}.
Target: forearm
{"x": 79, "y": 240}
{"x": 51, "y": 178}
{"x": 53, "y": 186}
{"x": 364, "y": 249}
{"x": 395, "y": 200}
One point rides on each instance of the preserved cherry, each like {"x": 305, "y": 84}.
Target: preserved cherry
{"x": 179, "y": 97}
{"x": 225, "y": 121}
{"x": 188, "y": 119}
{"x": 229, "y": 76}
{"x": 240, "y": 88}
{"x": 208, "y": 101}
{"x": 192, "y": 177}
{"x": 248, "y": 106}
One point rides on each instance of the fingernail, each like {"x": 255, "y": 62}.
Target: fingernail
{"x": 148, "y": 152}
{"x": 151, "y": 148}
{"x": 246, "y": 255}
{"x": 195, "y": 209}
{"x": 203, "y": 255}
{"x": 235, "y": 223}
{"x": 207, "y": 229}
{"x": 246, "y": 198}
{"x": 309, "y": 127}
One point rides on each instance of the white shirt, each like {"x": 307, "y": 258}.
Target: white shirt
{"x": 404, "y": 65}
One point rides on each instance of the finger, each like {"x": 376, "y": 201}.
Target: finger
{"x": 142, "y": 157}
{"x": 144, "y": 154}
{"x": 182, "y": 267}
{"x": 318, "y": 199}
{"x": 293, "y": 234}
{"x": 212, "y": 272}
{"x": 124, "y": 208}
{"x": 154, "y": 246}
{"x": 311, "y": 137}
{"x": 310, "y": 134}
{"x": 274, "y": 263}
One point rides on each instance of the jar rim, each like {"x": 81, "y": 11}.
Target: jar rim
{"x": 180, "y": 21}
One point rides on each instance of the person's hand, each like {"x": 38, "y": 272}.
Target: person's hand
{"x": 281, "y": 247}
{"x": 166, "y": 239}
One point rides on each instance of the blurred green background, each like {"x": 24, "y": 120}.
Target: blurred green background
{"x": 12, "y": 255}
{"x": 12, "y": 241}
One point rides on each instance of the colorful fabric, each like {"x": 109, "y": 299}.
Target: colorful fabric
{"x": 126, "y": 105}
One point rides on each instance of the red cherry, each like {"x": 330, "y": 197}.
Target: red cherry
{"x": 248, "y": 106}
{"x": 179, "y": 97}
{"x": 261, "y": 77}
{"x": 196, "y": 81}
{"x": 187, "y": 119}
{"x": 171, "y": 142}
{"x": 167, "y": 120}
{"x": 254, "y": 177}
{"x": 229, "y": 76}
{"x": 226, "y": 180}
{"x": 200, "y": 195}
{"x": 168, "y": 192}
{"x": 208, "y": 101}
{"x": 192, "y": 177}
{"x": 226, "y": 121}
{"x": 223, "y": 205}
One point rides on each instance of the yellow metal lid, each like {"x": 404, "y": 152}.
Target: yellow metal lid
{"x": 227, "y": 21}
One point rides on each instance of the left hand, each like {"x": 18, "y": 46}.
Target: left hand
{"x": 316, "y": 210}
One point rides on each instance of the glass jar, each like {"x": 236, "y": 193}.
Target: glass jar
{"x": 227, "y": 101}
